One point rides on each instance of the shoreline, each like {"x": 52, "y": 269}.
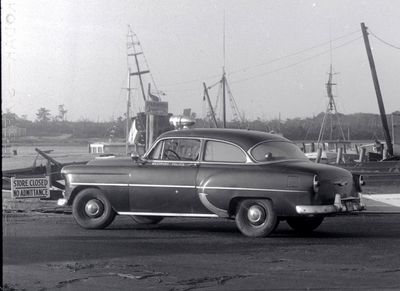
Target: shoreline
{"x": 59, "y": 140}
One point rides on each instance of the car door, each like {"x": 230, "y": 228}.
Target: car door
{"x": 165, "y": 182}
{"x": 222, "y": 174}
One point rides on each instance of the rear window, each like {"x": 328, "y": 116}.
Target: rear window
{"x": 223, "y": 152}
{"x": 277, "y": 151}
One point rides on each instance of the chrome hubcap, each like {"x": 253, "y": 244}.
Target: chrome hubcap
{"x": 256, "y": 214}
{"x": 93, "y": 208}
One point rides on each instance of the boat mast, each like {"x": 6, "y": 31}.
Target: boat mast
{"x": 223, "y": 80}
{"x": 128, "y": 106}
{"x": 132, "y": 43}
{"x": 377, "y": 90}
{"x": 210, "y": 105}
{"x": 133, "y": 52}
{"x": 331, "y": 109}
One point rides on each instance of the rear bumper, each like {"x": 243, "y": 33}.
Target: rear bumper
{"x": 341, "y": 205}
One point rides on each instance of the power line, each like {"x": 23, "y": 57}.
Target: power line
{"x": 181, "y": 90}
{"x": 265, "y": 63}
{"x": 383, "y": 41}
{"x": 294, "y": 54}
{"x": 191, "y": 81}
{"x": 294, "y": 64}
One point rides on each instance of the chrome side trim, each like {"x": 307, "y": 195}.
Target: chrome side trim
{"x": 99, "y": 184}
{"x": 207, "y": 204}
{"x": 252, "y": 189}
{"x": 168, "y": 214}
{"x": 163, "y": 186}
{"x": 135, "y": 185}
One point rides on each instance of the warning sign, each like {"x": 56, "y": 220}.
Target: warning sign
{"x": 30, "y": 187}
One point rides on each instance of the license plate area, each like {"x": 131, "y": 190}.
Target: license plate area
{"x": 352, "y": 205}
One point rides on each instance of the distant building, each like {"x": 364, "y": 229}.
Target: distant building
{"x": 12, "y": 132}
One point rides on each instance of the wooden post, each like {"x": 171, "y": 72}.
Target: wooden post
{"x": 147, "y": 131}
{"x": 151, "y": 129}
{"x": 362, "y": 155}
{"x": 385, "y": 154}
{"x": 319, "y": 155}
{"x": 339, "y": 156}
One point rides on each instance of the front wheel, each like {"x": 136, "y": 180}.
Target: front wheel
{"x": 304, "y": 224}
{"x": 256, "y": 217}
{"x": 92, "y": 210}
{"x": 146, "y": 219}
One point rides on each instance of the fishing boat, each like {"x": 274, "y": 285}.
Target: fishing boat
{"x": 142, "y": 129}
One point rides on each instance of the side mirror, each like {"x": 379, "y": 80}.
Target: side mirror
{"x": 135, "y": 157}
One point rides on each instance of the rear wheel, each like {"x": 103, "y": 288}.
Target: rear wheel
{"x": 92, "y": 210}
{"x": 256, "y": 217}
{"x": 304, "y": 224}
{"x": 146, "y": 219}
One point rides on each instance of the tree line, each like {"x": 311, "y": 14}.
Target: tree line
{"x": 357, "y": 126}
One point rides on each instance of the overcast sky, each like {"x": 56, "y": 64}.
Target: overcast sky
{"x": 277, "y": 54}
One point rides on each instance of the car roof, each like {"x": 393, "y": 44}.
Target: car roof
{"x": 242, "y": 137}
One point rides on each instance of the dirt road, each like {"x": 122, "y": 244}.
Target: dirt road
{"x": 50, "y": 252}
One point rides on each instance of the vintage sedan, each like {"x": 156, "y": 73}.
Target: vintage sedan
{"x": 256, "y": 178}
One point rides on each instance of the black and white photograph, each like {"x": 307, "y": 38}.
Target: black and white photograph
{"x": 200, "y": 145}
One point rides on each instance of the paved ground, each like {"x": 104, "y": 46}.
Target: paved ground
{"x": 47, "y": 251}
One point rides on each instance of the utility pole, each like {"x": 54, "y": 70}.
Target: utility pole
{"x": 209, "y": 104}
{"x": 223, "y": 100}
{"x": 377, "y": 90}
{"x": 223, "y": 81}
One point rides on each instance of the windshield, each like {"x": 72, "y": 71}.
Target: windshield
{"x": 276, "y": 151}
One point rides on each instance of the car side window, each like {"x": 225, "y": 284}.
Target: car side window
{"x": 156, "y": 152}
{"x": 177, "y": 149}
{"x": 216, "y": 151}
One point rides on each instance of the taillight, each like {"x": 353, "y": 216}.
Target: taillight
{"x": 361, "y": 182}
{"x": 316, "y": 183}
